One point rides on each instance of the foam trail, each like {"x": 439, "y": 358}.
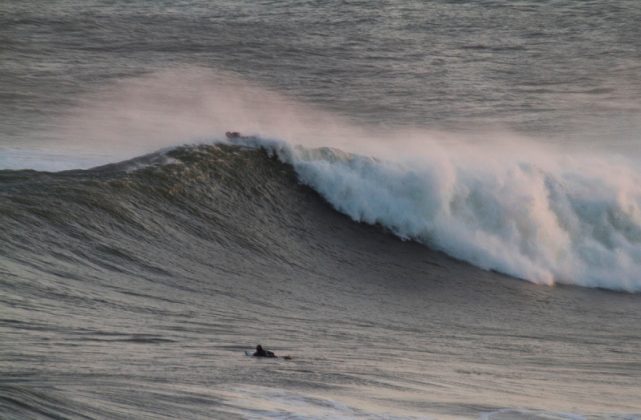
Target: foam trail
{"x": 542, "y": 217}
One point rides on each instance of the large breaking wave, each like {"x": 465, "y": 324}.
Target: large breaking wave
{"x": 497, "y": 200}
{"x": 552, "y": 222}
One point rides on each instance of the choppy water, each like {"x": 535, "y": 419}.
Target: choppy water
{"x": 502, "y": 135}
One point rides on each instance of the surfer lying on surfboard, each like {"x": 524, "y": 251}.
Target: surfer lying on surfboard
{"x": 261, "y": 352}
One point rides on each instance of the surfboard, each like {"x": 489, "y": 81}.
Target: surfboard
{"x": 251, "y": 354}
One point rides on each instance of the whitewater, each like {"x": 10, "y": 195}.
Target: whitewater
{"x": 544, "y": 219}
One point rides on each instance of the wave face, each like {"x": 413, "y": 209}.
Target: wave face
{"x": 131, "y": 217}
{"x": 573, "y": 222}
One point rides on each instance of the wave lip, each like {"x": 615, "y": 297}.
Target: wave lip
{"x": 546, "y": 220}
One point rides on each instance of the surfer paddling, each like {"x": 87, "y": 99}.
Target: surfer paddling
{"x": 231, "y": 135}
{"x": 261, "y": 352}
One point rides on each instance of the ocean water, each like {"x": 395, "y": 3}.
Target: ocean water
{"x": 434, "y": 209}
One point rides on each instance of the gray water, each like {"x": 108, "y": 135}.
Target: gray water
{"x": 132, "y": 290}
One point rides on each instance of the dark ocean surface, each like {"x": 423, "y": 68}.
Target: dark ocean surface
{"x": 436, "y": 211}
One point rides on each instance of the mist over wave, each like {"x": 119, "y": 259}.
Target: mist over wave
{"x": 127, "y": 117}
{"x": 137, "y": 115}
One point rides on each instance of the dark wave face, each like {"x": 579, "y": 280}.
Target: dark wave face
{"x": 133, "y": 289}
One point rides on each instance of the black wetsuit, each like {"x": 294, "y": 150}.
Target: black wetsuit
{"x": 263, "y": 353}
